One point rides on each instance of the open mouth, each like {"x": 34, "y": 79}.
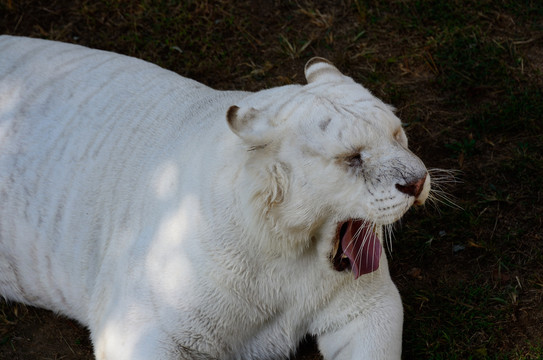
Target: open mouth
{"x": 358, "y": 247}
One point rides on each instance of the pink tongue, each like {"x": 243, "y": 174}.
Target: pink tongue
{"x": 362, "y": 247}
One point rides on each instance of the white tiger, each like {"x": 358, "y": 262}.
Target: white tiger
{"x": 180, "y": 222}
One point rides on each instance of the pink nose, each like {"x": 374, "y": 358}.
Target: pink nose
{"x": 413, "y": 188}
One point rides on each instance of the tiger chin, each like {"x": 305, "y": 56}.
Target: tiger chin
{"x": 176, "y": 221}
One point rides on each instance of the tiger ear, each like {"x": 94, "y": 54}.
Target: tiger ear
{"x": 318, "y": 69}
{"x": 249, "y": 124}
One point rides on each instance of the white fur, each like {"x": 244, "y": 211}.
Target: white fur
{"x": 127, "y": 203}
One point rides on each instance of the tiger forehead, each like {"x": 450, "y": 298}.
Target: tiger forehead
{"x": 340, "y": 110}
{"x": 375, "y": 118}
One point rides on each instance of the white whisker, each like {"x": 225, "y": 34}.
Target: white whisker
{"x": 367, "y": 234}
{"x": 388, "y": 234}
{"x": 442, "y": 180}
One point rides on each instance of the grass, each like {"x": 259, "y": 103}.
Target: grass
{"x": 479, "y": 313}
{"x": 466, "y": 78}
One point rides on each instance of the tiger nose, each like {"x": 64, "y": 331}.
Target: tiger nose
{"x": 413, "y": 188}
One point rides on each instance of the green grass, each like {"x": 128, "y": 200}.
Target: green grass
{"x": 474, "y": 330}
{"x": 519, "y": 110}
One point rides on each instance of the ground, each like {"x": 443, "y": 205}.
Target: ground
{"x": 466, "y": 79}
